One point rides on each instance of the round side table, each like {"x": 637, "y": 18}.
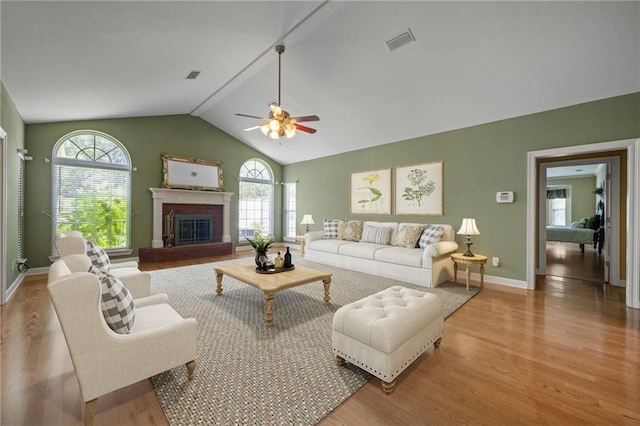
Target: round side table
{"x": 476, "y": 259}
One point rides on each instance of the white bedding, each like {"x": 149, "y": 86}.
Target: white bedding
{"x": 570, "y": 235}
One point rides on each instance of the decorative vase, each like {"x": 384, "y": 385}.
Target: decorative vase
{"x": 261, "y": 260}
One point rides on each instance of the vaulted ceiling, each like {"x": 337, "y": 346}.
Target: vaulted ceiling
{"x": 470, "y": 63}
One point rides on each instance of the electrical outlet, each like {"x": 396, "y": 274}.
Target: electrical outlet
{"x": 496, "y": 261}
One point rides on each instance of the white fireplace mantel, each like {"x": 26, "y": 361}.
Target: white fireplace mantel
{"x": 187, "y": 196}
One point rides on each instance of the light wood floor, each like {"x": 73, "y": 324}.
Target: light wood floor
{"x": 567, "y": 353}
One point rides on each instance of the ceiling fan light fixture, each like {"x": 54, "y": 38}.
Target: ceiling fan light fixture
{"x": 277, "y": 112}
{"x": 274, "y": 125}
{"x": 279, "y": 123}
{"x": 290, "y": 129}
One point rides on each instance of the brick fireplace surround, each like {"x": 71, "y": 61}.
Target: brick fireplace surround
{"x": 188, "y": 201}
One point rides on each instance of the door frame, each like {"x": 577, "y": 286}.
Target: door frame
{"x": 3, "y": 215}
{"x": 632, "y": 146}
{"x": 612, "y": 237}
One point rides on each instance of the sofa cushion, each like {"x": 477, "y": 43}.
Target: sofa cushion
{"x": 360, "y": 250}
{"x": 408, "y": 235}
{"x": 328, "y": 246}
{"x": 431, "y": 234}
{"x": 330, "y": 229}
{"x": 400, "y": 256}
{"x": 99, "y": 257}
{"x": 116, "y": 302}
{"x": 376, "y": 234}
{"x": 350, "y": 230}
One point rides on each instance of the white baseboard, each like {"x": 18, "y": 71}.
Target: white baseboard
{"x": 509, "y": 282}
{"x": 11, "y": 290}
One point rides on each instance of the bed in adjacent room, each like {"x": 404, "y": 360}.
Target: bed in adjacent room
{"x": 576, "y": 234}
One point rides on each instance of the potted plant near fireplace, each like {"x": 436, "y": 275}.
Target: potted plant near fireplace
{"x": 261, "y": 245}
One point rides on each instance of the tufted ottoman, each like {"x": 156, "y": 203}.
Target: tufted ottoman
{"x": 385, "y": 332}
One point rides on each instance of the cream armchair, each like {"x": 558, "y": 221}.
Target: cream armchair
{"x": 136, "y": 281}
{"x": 105, "y": 361}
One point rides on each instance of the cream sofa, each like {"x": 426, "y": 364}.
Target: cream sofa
{"x": 426, "y": 267}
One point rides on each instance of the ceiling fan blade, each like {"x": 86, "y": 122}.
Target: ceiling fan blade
{"x": 248, "y": 129}
{"x": 307, "y": 118}
{"x": 250, "y": 116}
{"x": 305, "y": 128}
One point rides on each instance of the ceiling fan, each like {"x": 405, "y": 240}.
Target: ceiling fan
{"x": 280, "y": 123}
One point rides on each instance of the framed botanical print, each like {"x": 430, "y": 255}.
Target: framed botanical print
{"x": 191, "y": 173}
{"x": 370, "y": 192}
{"x": 419, "y": 189}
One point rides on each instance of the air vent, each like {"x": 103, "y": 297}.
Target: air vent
{"x": 193, "y": 75}
{"x": 400, "y": 40}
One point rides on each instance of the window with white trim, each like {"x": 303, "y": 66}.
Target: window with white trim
{"x": 91, "y": 188}
{"x": 559, "y": 205}
{"x": 255, "y": 204}
{"x": 289, "y": 196}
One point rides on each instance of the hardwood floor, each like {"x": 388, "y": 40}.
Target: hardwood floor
{"x": 566, "y": 260}
{"x": 567, "y": 353}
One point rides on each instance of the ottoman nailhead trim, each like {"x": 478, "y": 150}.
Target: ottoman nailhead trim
{"x": 402, "y": 367}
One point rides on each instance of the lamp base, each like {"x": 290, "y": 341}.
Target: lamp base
{"x": 468, "y": 253}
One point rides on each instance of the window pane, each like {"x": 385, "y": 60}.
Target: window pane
{"x": 255, "y": 204}
{"x": 290, "y": 210}
{"x": 558, "y": 211}
{"x": 91, "y": 189}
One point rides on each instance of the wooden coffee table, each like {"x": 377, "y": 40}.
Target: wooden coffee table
{"x": 270, "y": 284}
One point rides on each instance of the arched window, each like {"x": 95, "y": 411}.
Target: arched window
{"x": 92, "y": 188}
{"x": 255, "y": 208}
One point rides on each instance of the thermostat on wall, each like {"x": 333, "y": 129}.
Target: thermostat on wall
{"x": 504, "y": 197}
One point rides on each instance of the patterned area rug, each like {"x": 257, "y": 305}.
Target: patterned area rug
{"x": 249, "y": 374}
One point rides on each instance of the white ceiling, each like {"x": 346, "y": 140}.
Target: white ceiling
{"x": 578, "y": 170}
{"x": 471, "y": 63}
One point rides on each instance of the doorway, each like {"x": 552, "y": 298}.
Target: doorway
{"x": 629, "y": 263}
{"x": 578, "y": 234}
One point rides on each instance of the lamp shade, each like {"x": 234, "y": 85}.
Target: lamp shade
{"x": 307, "y": 219}
{"x": 468, "y": 227}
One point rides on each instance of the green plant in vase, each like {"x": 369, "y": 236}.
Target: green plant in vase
{"x": 261, "y": 245}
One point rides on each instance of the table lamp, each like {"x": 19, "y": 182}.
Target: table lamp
{"x": 468, "y": 228}
{"x": 307, "y": 220}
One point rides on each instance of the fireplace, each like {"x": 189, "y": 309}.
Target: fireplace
{"x": 193, "y": 229}
{"x": 192, "y": 224}
{"x": 190, "y": 201}
{"x": 194, "y": 206}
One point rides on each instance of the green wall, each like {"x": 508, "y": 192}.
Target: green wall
{"x": 12, "y": 123}
{"x": 583, "y": 200}
{"x": 478, "y": 162}
{"x": 146, "y": 139}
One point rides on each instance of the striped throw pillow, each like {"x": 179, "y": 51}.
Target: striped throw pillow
{"x": 376, "y": 234}
{"x": 431, "y": 234}
{"x": 330, "y": 229}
